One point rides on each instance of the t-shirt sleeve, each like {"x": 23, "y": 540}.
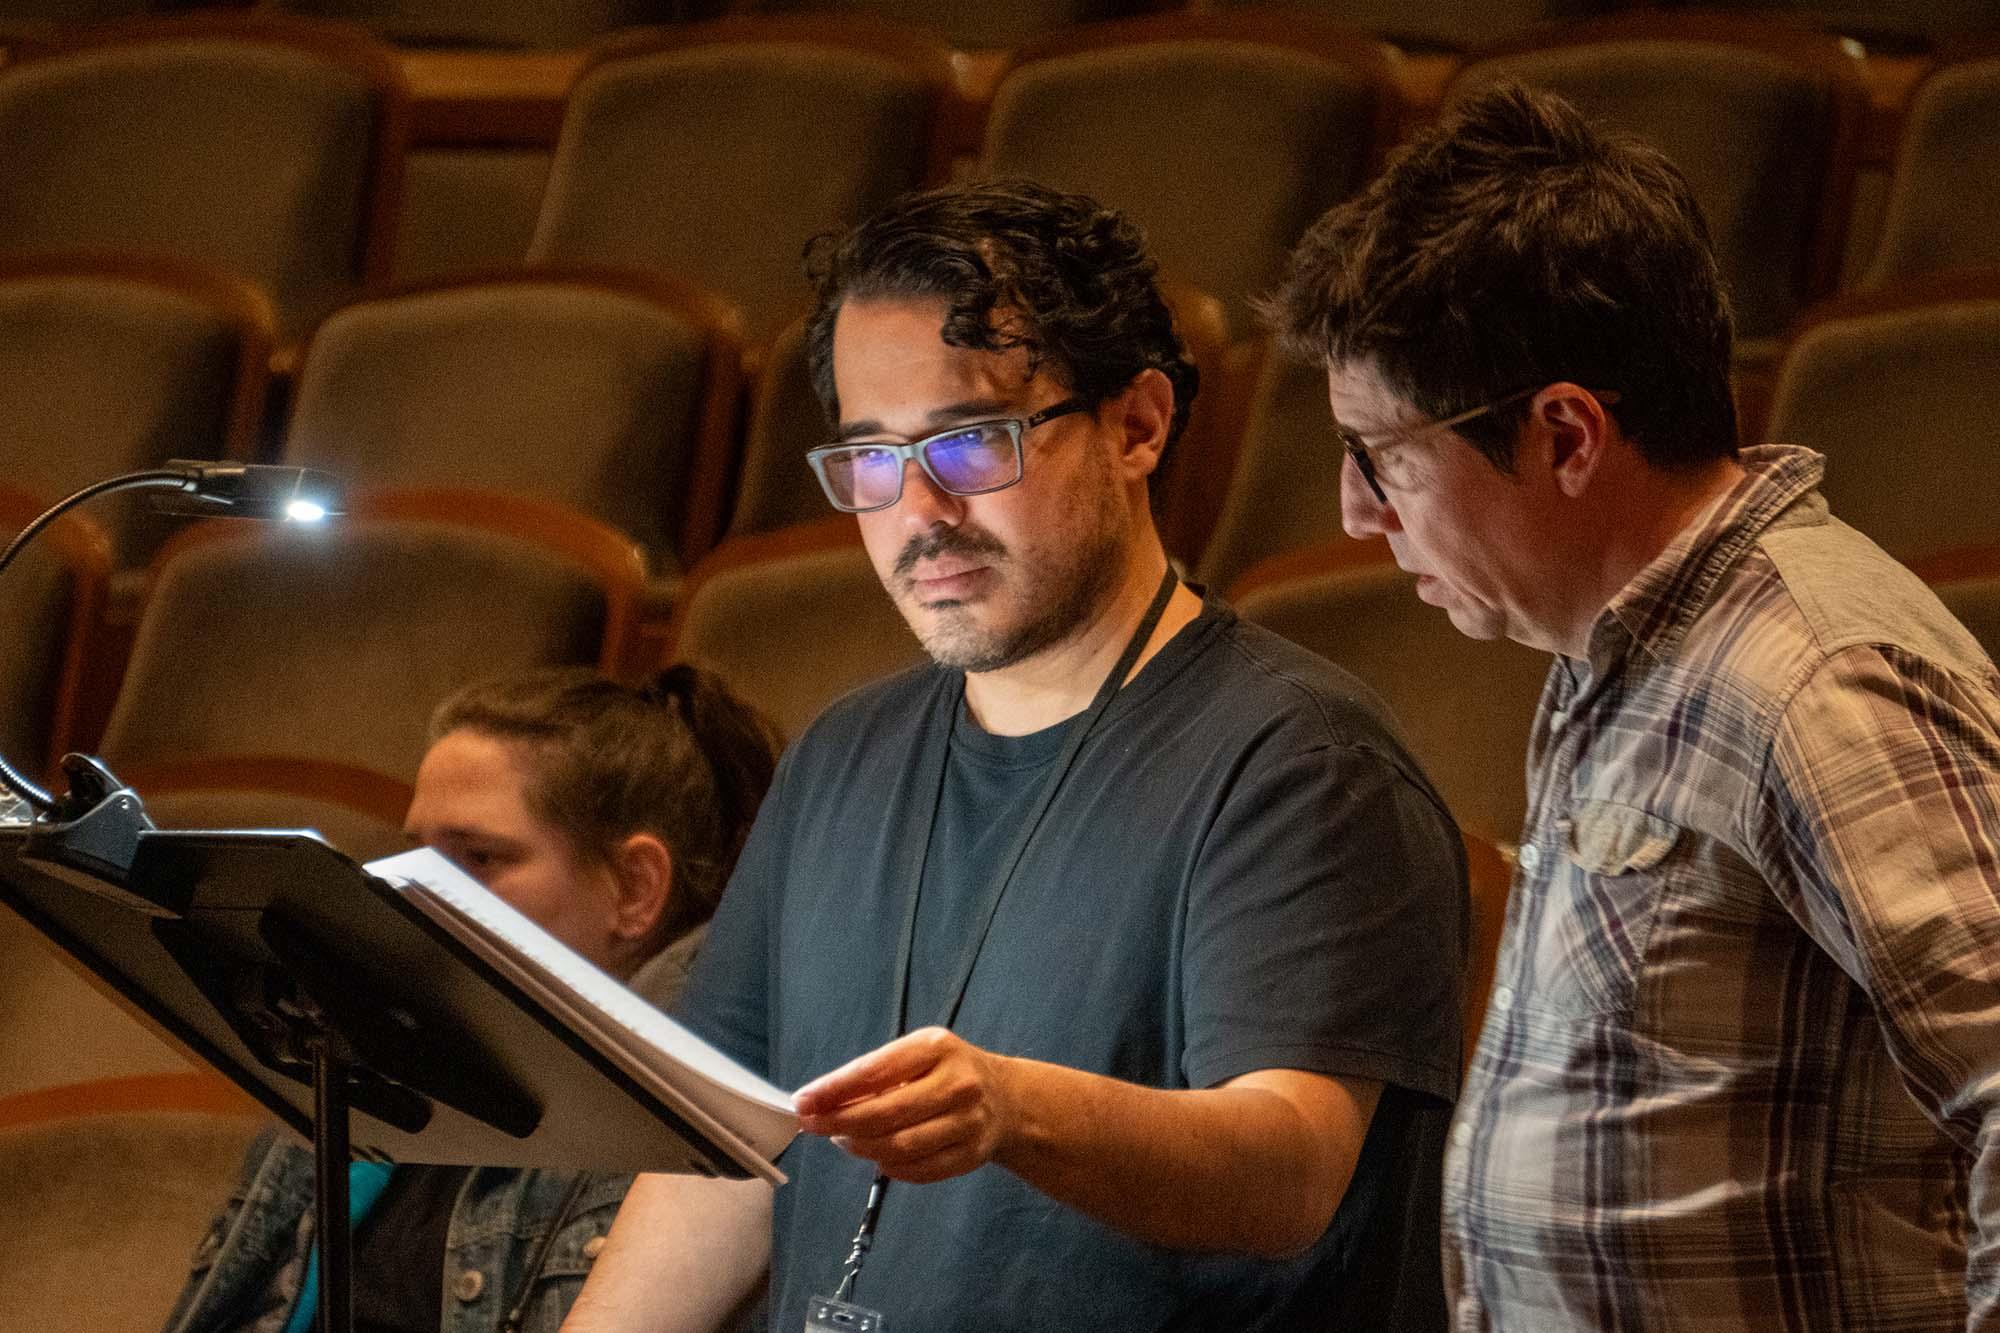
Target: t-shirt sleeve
{"x": 726, "y": 1001}
{"x": 1326, "y": 927}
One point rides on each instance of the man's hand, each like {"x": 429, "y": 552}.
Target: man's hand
{"x": 1256, "y": 1165}
{"x": 928, "y": 1106}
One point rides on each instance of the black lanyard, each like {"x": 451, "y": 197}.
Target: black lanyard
{"x": 944, "y": 716}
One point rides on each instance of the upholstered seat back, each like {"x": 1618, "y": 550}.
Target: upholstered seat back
{"x": 1223, "y": 149}
{"x": 793, "y": 620}
{"x": 1465, "y": 705}
{"x": 108, "y": 367}
{"x": 1945, "y": 191}
{"x": 1901, "y": 395}
{"x": 610, "y": 398}
{"x": 336, "y": 644}
{"x": 717, "y": 162}
{"x": 255, "y": 156}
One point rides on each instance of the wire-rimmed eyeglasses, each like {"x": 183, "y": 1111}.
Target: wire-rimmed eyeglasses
{"x": 972, "y": 459}
{"x": 1363, "y": 453}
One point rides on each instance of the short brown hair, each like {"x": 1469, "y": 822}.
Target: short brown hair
{"x": 679, "y": 757}
{"x": 1514, "y": 245}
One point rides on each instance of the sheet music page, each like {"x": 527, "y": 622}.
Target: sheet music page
{"x": 733, "y": 1095}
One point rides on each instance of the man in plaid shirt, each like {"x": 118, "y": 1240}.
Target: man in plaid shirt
{"x": 1741, "y": 1068}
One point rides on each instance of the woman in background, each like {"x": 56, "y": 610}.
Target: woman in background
{"x": 609, "y": 815}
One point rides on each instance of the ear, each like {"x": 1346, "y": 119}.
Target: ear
{"x": 642, "y": 874}
{"x": 1575, "y": 432}
{"x": 1148, "y": 415}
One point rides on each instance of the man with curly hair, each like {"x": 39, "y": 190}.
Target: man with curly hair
{"x": 1117, "y": 950}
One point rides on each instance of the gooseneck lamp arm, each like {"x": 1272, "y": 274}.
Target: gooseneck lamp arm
{"x": 197, "y": 487}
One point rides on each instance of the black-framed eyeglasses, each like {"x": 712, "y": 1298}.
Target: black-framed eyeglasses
{"x": 1363, "y": 453}
{"x": 971, "y": 459}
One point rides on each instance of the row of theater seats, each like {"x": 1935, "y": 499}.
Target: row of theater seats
{"x": 713, "y": 151}
{"x": 329, "y": 647}
{"x": 622, "y": 396}
{"x": 978, "y": 24}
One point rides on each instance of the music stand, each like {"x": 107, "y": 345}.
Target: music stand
{"x": 337, "y": 1004}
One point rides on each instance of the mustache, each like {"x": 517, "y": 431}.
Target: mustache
{"x": 947, "y": 541}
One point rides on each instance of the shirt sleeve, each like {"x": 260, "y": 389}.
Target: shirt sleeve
{"x": 1326, "y": 927}
{"x": 727, "y": 999}
{"x": 1882, "y": 807}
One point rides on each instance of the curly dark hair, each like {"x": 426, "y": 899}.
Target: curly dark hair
{"x": 1018, "y": 265}
{"x": 1513, "y": 245}
{"x": 680, "y": 757}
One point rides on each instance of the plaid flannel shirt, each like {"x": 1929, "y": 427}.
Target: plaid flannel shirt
{"x": 1741, "y": 1068}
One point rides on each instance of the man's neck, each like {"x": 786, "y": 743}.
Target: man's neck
{"x": 1061, "y": 680}
{"x": 1636, "y": 542}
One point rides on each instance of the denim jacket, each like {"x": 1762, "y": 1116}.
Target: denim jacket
{"x": 516, "y": 1238}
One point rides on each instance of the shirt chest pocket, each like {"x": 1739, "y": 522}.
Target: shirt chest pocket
{"x": 1603, "y": 899}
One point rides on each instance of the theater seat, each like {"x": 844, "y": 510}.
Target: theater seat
{"x": 265, "y": 145}
{"x": 1897, "y": 388}
{"x": 110, "y": 362}
{"x": 50, "y": 602}
{"x": 1223, "y": 135}
{"x": 105, "y": 1189}
{"x": 715, "y": 151}
{"x": 792, "y": 619}
{"x": 336, "y": 643}
{"x": 614, "y": 393}
{"x": 1283, "y": 492}
{"x": 1967, "y": 581}
{"x": 355, "y": 809}
{"x": 1465, "y": 705}
{"x": 1944, "y": 189}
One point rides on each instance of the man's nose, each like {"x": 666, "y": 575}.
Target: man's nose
{"x": 1361, "y": 514}
{"x": 925, "y": 504}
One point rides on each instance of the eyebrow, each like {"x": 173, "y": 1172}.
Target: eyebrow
{"x": 938, "y": 418}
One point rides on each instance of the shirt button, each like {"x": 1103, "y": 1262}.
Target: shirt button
{"x": 468, "y": 1285}
{"x": 1503, "y": 997}
{"x": 1461, "y": 1133}
{"x": 1531, "y": 858}
{"x": 593, "y": 1247}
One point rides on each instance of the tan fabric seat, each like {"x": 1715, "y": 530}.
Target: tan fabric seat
{"x": 51, "y": 599}
{"x": 1885, "y": 25}
{"x": 1465, "y": 705}
{"x": 109, "y": 364}
{"x": 1900, "y": 388}
{"x": 1944, "y": 191}
{"x": 775, "y": 487}
{"x": 612, "y": 394}
{"x": 59, "y": 1027}
{"x": 336, "y": 643}
{"x": 355, "y": 809}
{"x": 969, "y": 25}
{"x": 1439, "y": 25}
{"x": 1967, "y": 581}
{"x": 100, "y": 1209}
{"x": 265, "y": 146}
{"x": 716, "y": 151}
{"x": 793, "y": 620}
{"x": 468, "y": 208}
{"x": 1763, "y": 118}
{"x": 1224, "y": 136}
{"x": 1284, "y": 490}
{"x": 503, "y": 24}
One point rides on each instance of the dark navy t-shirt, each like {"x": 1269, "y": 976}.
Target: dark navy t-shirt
{"x": 1243, "y": 870}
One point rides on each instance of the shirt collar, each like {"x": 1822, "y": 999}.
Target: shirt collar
{"x": 1655, "y": 609}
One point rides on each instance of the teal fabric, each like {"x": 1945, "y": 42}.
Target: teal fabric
{"x": 365, "y": 1183}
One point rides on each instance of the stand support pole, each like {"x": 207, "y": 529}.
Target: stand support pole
{"x": 331, "y": 1153}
